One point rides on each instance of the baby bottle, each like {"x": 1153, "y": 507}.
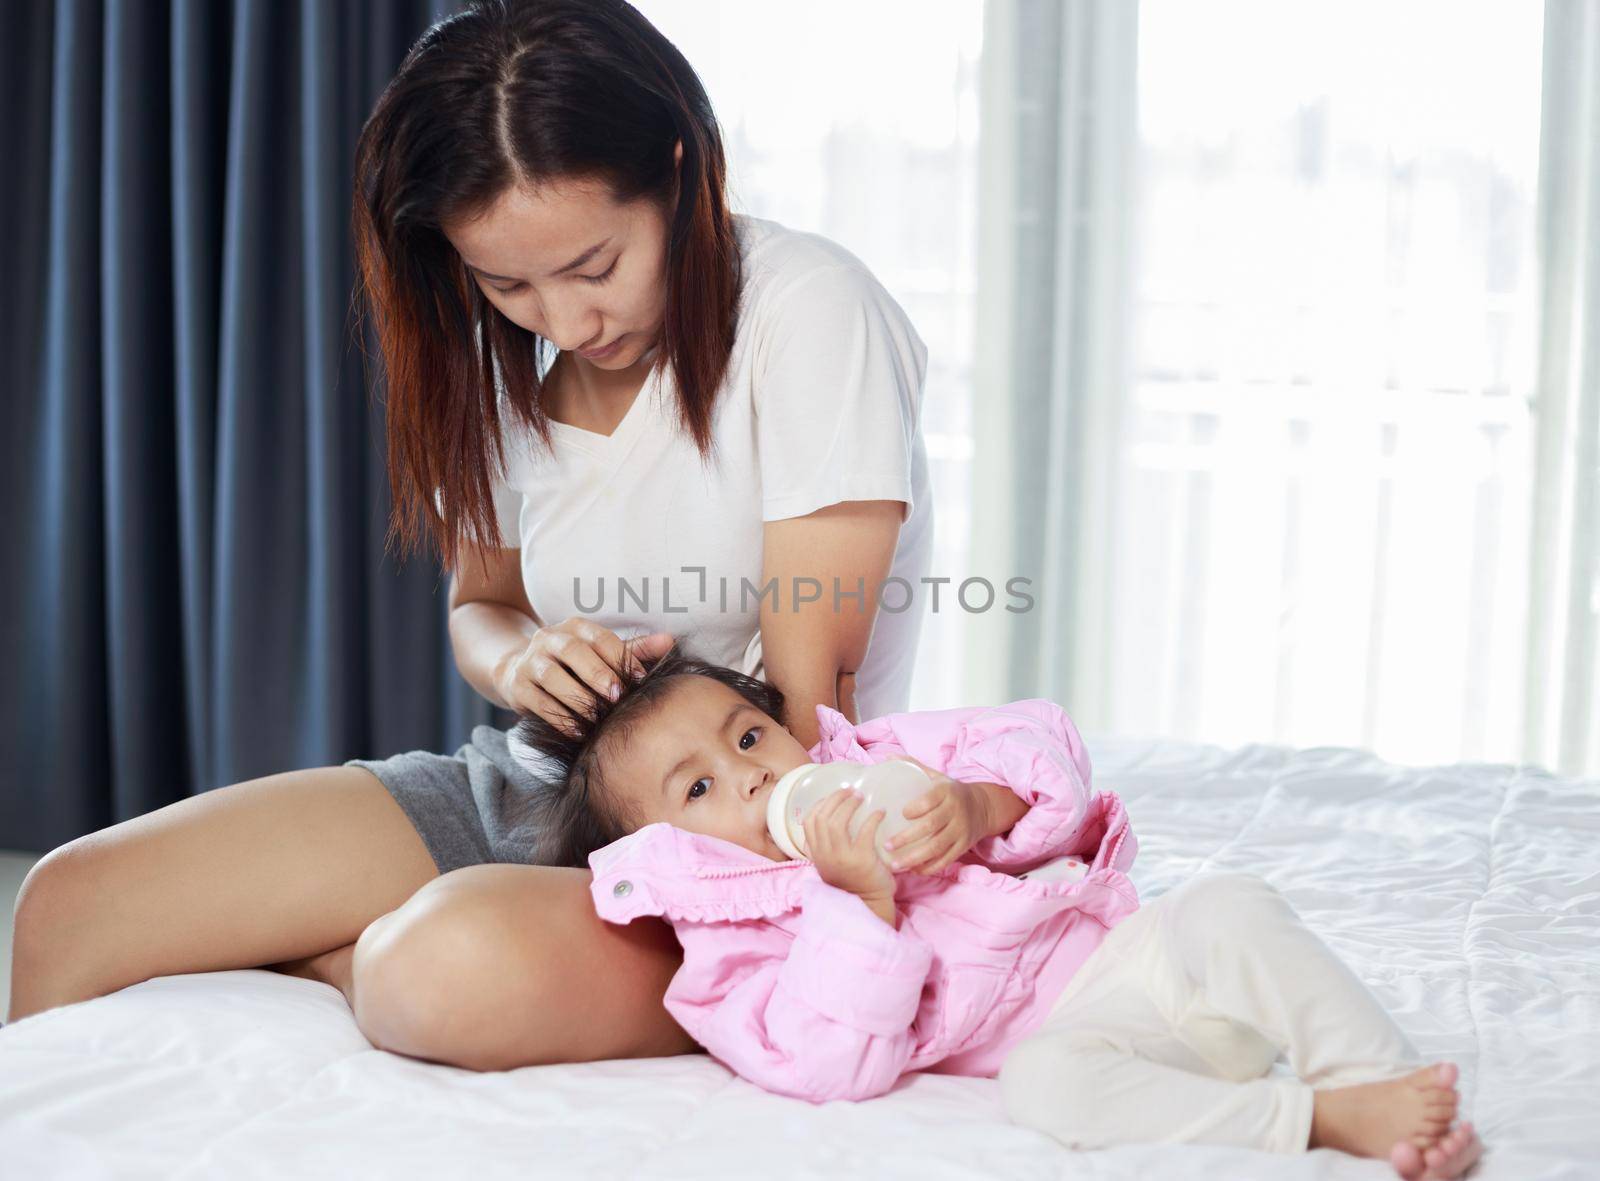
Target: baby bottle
{"x": 888, "y": 786}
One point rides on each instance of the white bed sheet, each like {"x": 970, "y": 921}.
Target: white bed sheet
{"x": 1467, "y": 897}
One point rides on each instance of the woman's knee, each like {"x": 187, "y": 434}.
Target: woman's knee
{"x": 407, "y": 963}
{"x": 54, "y": 959}
{"x": 39, "y": 892}
{"x": 497, "y": 966}
{"x": 59, "y": 884}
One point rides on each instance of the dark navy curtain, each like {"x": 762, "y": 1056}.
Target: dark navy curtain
{"x": 195, "y": 588}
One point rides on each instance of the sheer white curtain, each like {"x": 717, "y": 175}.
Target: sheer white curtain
{"x": 1053, "y": 315}
{"x": 1309, "y": 455}
{"x": 860, "y": 122}
{"x": 1562, "y": 715}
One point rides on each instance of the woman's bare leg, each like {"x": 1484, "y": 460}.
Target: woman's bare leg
{"x": 498, "y": 966}
{"x": 334, "y": 967}
{"x": 263, "y": 872}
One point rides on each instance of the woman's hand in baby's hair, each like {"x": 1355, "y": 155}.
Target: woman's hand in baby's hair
{"x": 844, "y": 862}
{"x": 951, "y": 818}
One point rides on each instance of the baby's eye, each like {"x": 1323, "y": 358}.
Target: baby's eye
{"x": 695, "y": 790}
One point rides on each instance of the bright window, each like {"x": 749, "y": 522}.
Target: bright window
{"x": 1324, "y": 525}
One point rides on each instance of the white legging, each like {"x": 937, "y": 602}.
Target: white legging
{"x": 1168, "y": 1030}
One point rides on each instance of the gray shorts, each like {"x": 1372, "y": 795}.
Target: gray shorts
{"x": 469, "y": 808}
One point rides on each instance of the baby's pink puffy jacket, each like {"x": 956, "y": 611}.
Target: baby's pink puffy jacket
{"x": 800, "y": 988}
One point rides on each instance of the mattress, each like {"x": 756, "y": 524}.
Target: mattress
{"x": 1467, "y": 897}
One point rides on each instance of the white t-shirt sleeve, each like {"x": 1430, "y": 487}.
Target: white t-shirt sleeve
{"x": 837, "y": 394}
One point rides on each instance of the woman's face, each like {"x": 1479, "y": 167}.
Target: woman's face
{"x": 567, "y": 262}
{"x": 706, "y": 760}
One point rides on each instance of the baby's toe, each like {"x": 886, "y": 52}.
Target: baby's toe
{"x": 1407, "y": 1160}
{"x": 1470, "y": 1152}
{"x": 1453, "y": 1156}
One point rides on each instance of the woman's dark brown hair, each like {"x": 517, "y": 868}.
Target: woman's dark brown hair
{"x": 572, "y": 812}
{"x": 524, "y": 92}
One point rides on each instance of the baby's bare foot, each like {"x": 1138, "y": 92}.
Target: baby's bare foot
{"x": 1455, "y": 1153}
{"x": 1376, "y": 1119}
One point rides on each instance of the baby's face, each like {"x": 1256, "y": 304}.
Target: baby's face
{"x": 706, "y": 761}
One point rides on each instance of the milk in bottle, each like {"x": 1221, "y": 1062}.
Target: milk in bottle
{"x": 888, "y": 786}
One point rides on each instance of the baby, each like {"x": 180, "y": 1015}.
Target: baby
{"x": 1106, "y": 1022}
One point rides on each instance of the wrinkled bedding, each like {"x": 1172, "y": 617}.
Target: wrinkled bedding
{"x": 1467, "y": 897}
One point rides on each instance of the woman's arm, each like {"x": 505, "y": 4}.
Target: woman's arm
{"x": 812, "y": 651}
{"x": 491, "y": 620}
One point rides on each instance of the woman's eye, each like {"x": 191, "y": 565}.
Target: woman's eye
{"x": 508, "y": 290}
{"x": 693, "y": 794}
{"x": 602, "y": 277}
{"x": 746, "y": 734}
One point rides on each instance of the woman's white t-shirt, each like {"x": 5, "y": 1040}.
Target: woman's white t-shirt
{"x": 821, "y": 403}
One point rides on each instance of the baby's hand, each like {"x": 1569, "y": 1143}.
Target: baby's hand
{"x": 951, "y": 817}
{"x": 843, "y": 862}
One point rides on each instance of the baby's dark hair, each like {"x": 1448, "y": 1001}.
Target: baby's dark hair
{"x": 573, "y": 812}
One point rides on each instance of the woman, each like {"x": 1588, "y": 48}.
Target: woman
{"x": 616, "y": 409}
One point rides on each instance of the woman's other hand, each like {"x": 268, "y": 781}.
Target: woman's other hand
{"x": 564, "y": 667}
